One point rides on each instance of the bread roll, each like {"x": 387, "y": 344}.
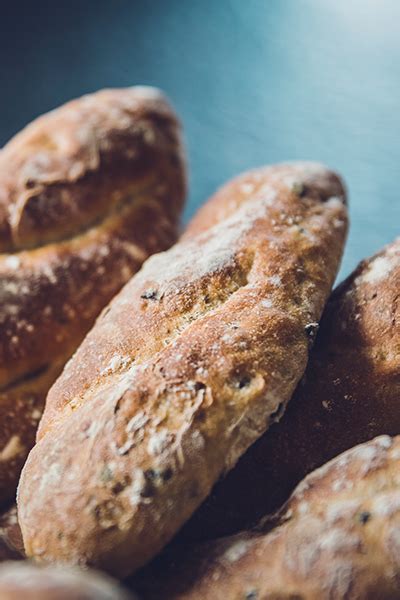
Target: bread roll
{"x": 87, "y": 193}
{"x": 350, "y": 394}
{"x": 338, "y": 537}
{"x": 25, "y": 581}
{"x": 186, "y": 368}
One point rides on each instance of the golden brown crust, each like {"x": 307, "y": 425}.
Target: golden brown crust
{"x": 25, "y": 581}
{"x": 348, "y": 395}
{"x": 305, "y": 179}
{"x": 338, "y": 537}
{"x": 69, "y": 168}
{"x": 87, "y": 193}
{"x": 188, "y": 365}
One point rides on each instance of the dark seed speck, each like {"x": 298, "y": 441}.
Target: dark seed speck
{"x": 299, "y": 189}
{"x": 149, "y": 295}
{"x": 364, "y": 517}
{"x": 311, "y": 330}
{"x": 242, "y": 382}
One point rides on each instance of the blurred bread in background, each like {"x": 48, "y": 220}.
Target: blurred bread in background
{"x": 87, "y": 193}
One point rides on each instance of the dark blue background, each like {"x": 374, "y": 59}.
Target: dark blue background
{"x": 254, "y": 82}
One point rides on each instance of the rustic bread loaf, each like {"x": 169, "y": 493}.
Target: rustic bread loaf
{"x": 25, "y": 581}
{"x": 87, "y": 193}
{"x": 187, "y": 367}
{"x": 349, "y": 394}
{"x": 338, "y": 537}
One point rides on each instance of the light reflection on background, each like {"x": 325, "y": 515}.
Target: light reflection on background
{"x": 255, "y": 82}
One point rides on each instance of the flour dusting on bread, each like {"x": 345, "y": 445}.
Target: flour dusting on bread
{"x": 184, "y": 370}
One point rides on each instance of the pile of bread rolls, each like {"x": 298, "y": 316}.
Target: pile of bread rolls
{"x": 211, "y": 421}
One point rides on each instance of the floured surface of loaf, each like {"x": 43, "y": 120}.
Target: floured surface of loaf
{"x": 188, "y": 366}
{"x": 87, "y": 193}
{"x": 338, "y": 537}
{"x": 349, "y": 394}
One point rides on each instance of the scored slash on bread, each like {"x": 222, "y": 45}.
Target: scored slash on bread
{"x": 185, "y": 369}
{"x": 337, "y": 537}
{"x": 87, "y": 193}
{"x": 349, "y": 394}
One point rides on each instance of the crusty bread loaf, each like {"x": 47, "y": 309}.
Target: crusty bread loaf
{"x": 338, "y": 538}
{"x": 349, "y": 394}
{"x": 87, "y": 193}
{"x": 186, "y": 368}
{"x": 25, "y": 581}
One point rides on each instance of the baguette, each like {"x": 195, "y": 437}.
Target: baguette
{"x": 338, "y": 537}
{"x": 87, "y": 193}
{"x": 349, "y": 395}
{"x": 25, "y": 581}
{"x": 187, "y": 367}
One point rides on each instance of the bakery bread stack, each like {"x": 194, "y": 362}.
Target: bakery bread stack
{"x": 208, "y": 388}
{"x": 335, "y": 538}
{"x": 192, "y": 361}
{"x": 87, "y": 193}
{"x": 348, "y": 395}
